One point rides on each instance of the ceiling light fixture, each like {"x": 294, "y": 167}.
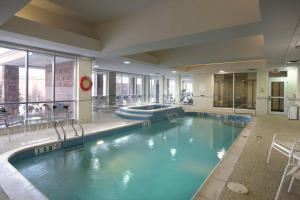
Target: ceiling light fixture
{"x": 96, "y": 66}
{"x": 221, "y": 71}
{"x": 173, "y": 72}
{"x": 293, "y": 61}
{"x": 126, "y": 62}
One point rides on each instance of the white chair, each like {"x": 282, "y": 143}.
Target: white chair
{"x": 285, "y": 144}
{"x": 292, "y": 169}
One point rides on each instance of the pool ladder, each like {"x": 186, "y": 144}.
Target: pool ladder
{"x": 73, "y": 122}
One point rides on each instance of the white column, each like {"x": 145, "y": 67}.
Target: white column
{"x": 177, "y": 88}
{"x": 84, "y": 68}
{"x": 146, "y": 88}
{"x": 161, "y": 88}
{"x": 262, "y": 91}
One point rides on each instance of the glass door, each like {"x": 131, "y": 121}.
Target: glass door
{"x": 277, "y": 98}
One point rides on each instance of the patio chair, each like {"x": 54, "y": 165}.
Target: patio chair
{"x": 285, "y": 144}
{"x": 292, "y": 169}
{"x": 5, "y": 120}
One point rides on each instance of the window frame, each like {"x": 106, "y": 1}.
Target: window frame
{"x": 52, "y": 54}
{"x": 233, "y": 91}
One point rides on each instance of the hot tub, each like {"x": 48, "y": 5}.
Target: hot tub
{"x": 152, "y": 112}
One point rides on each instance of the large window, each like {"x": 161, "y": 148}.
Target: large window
{"x": 235, "y": 90}
{"x": 223, "y": 90}
{"x": 169, "y": 96}
{"x": 187, "y": 85}
{"x": 129, "y": 85}
{"x": 245, "y": 90}
{"x": 36, "y": 87}
{"x": 13, "y": 80}
{"x": 100, "y": 83}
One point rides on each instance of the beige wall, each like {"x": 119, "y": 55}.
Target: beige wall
{"x": 262, "y": 91}
{"x": 84, "y": 68}
{"x": 262, "y": 103}
{"x": 203, "y": 81}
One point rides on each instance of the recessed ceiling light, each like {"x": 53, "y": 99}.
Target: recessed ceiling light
{"x": 126, "y": 62}
{"x": 221, "y": 71}
{"x": 293, "y": 61}
{"x": 173, "y": 72}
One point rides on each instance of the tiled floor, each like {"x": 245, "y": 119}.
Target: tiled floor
{"x": 262, "y": 179}
{"x": 101, "y": 121}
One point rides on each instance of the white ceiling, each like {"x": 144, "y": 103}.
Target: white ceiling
{"x": 162, "y": 35}
{"x": 96, "y": 11}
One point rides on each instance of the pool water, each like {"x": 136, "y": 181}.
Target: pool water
{"x": 164, "y": 161}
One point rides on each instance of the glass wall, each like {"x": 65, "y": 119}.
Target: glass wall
{"x": 223, "y": 90}
{"x": 187, "y": 85}
{"x": 245, "y": 90}
{"x": 235, "y": 90}
{"x": 51, "y": 80}
{"x": 129, "y": 85}
{"x": 100, "y": 83}
{"x": 13, "y": 80}
{"x": 169, "y": 91}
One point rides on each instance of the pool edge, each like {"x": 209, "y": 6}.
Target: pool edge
{"x": 216, "y": 181}
{"x": 16, "y": 186}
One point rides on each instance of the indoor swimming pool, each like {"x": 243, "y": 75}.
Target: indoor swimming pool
{"x": 164, "y": 161}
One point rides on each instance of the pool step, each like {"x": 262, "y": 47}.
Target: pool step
{"x": 134, "y": 116}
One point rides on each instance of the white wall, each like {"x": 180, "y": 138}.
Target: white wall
{"x": 206, "y": 80}
{"x": 84, "y": 68}
{"x": 262, "y": 91}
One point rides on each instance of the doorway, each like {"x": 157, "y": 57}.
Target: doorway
{"x": 277, "y": 96}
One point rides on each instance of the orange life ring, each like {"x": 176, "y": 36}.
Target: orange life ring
{"x": 86, "y": 83}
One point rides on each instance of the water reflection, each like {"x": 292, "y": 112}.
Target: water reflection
{"x": 150, "y": 143}
{"x": 164, "y": 136}
{"x": 95, "y": 163}
{"x": 191, "y": 140}
{"x": 122, "y": 140}
{"x": 100, "y": 142}
{"x": 127, "y": 175}
{"x": 221, "y": 153}
{"x": 173, "y": 153}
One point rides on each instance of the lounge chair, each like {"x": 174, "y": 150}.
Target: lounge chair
{"x": 292, "y": 169}
{"x": 285, "y": 144}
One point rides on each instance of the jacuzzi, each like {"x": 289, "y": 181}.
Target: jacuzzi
{"x": 152, "y": 112}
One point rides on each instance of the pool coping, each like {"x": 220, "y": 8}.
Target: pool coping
{"x": 16, "y": 186}
{"x": 216, "y": 181}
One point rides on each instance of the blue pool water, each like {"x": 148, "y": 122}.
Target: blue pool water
{"x": 164, "y": 161}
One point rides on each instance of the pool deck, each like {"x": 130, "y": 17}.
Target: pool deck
{"x": 246, "y": 162}
{"x": 8, "y": 174}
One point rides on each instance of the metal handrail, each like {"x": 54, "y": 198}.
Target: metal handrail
{"x": 63, "y": 130}
{"x": 74, "y": 121}
{"x": 82, "y": 130}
